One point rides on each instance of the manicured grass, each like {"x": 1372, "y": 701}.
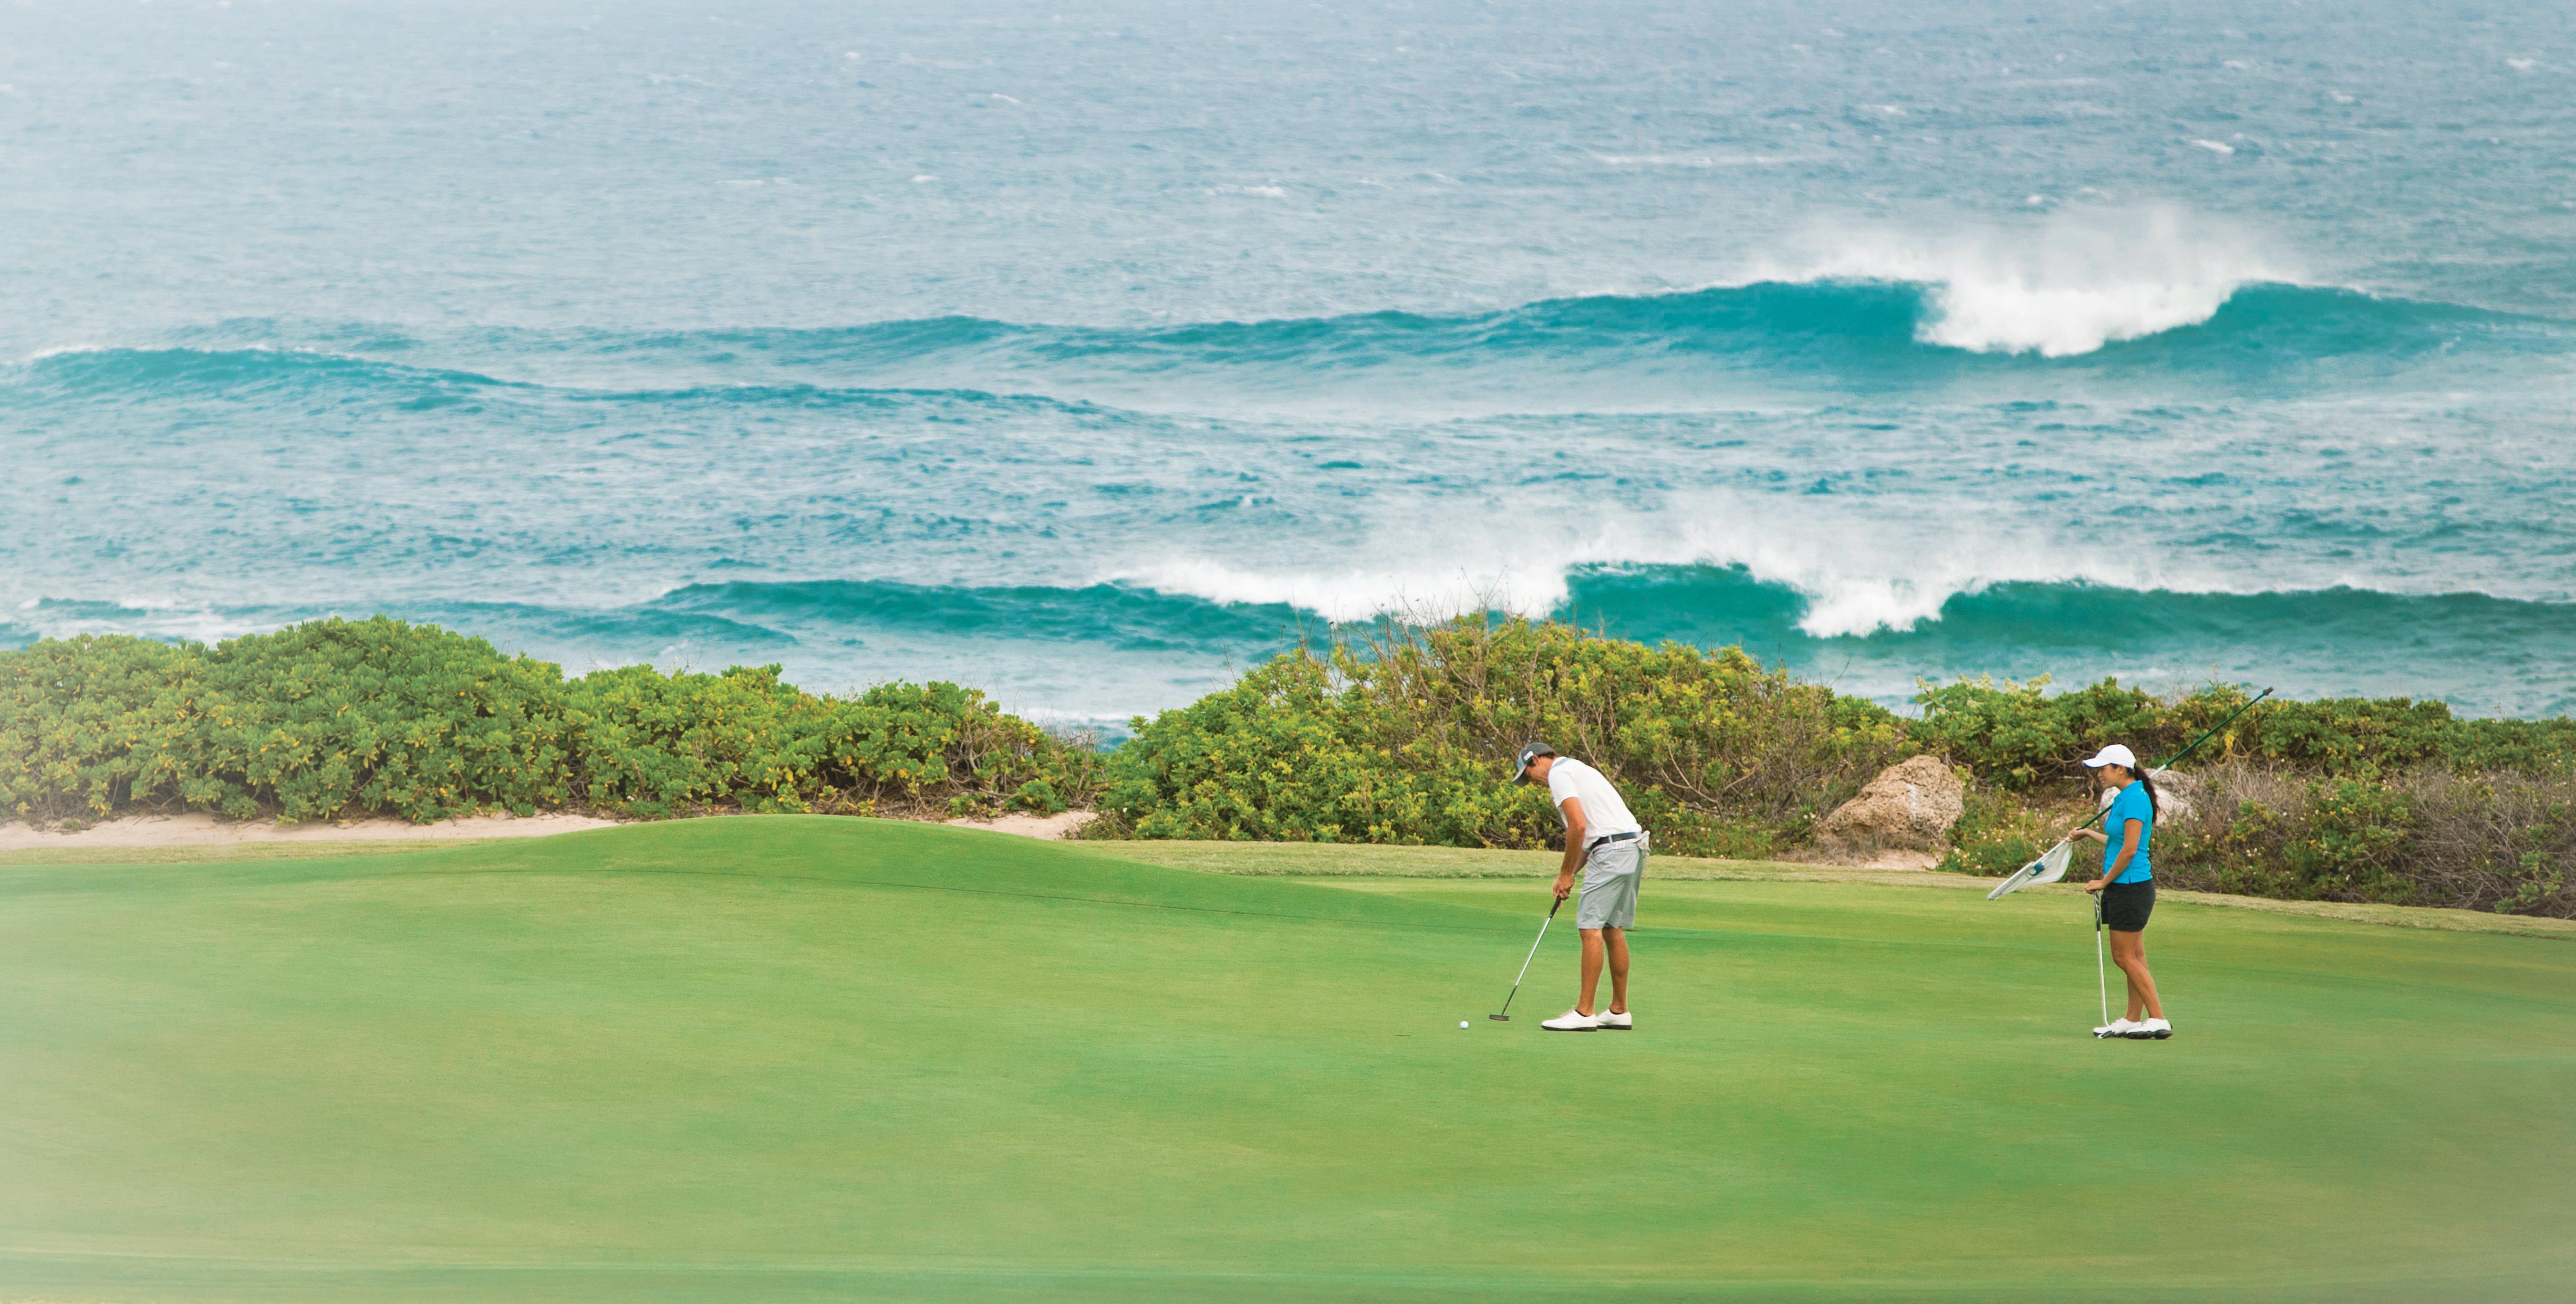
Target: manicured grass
{"x": 190, "y": 853}
{"x": 1339, "y": 862}
{"x": 787, "y": 1058}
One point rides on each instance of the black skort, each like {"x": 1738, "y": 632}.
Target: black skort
{"x": 2125, "y": 906}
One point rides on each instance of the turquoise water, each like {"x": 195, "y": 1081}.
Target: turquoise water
{"x": 1088, "y": 355}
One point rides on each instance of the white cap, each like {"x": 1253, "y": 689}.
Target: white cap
{"x": 2115, "y": 754}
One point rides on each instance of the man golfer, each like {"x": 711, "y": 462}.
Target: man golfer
{"x": 1603, "y": 838}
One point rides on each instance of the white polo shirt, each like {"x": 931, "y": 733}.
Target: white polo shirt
{"x": 1603, "y": 812}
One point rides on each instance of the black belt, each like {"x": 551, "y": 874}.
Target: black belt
{"x": 1615, "y": 837}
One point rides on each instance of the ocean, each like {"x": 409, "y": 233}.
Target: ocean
{"x": 1089, "y": 354}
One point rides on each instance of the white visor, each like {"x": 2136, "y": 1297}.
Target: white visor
{"x": 2115, "y": 754}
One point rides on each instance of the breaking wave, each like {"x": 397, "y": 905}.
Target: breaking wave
{"x": 1849, "y": 332}
{"x": 2315, "y": 642}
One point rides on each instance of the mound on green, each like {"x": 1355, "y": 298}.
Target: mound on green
{"x": 805, "y": 1058}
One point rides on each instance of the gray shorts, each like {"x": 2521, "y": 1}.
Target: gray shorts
{"x": 1610, "y": 874}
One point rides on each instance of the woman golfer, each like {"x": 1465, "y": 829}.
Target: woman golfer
{"x": 2126, "y": 892}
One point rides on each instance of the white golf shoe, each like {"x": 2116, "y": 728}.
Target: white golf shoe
{"x": 2151, "y": 1030}
{"x": 2116, "y": 1028}
{"x": 1572, "y": 1021}
{"x": 1615, "y": 1022}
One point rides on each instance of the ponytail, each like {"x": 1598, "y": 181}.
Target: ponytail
{"x": 2155, "y": 804}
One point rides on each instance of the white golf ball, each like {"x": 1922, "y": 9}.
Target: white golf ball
{"x": 1462, "y": 1023}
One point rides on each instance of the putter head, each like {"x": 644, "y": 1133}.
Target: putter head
{"x": 1499, "y": 1018}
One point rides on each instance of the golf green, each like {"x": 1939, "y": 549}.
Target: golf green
{"x": 808, "y": 1058}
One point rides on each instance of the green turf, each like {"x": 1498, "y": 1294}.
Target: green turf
{"x": 787, "y": 1058}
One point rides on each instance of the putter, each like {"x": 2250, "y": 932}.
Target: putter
{"x": 1504, "y": 1015}
{"x": 2101, "y": 976}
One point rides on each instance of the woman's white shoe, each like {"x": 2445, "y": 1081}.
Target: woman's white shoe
{"x": 1572, "y": 1021}
{"x": 2117, "y": 1028}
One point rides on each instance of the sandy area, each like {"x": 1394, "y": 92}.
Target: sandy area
{"x": 1896, "y": 858}
{"x": 1051, "y": 827}
{"x": 196, "y": 830}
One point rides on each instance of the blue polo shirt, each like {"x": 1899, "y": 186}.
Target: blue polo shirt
{"x": 2131, "y": 804}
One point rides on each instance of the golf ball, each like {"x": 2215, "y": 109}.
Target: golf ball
{"x": 1462, "y": 1023}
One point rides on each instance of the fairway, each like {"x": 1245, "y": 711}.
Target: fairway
{"x": 807, "y": 1058}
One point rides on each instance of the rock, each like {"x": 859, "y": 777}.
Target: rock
{"x": 2177, "y": 795}
{"x": 1911, "y": 804}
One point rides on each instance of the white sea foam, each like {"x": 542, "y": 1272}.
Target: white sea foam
{"x": 151, "y": 616}
{"x": 2214, "y": 147}
{"x": 62, "y": 350}
{"x": 2065, "y": 286}
{"x": 1857, "y": 576}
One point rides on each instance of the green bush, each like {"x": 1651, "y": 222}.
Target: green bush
{"x": 1409, "y": 737}
{"x": 1999, "y": 831}
{"x": 653, "y": 744}
{"x": 337, "y": 717}
{"x": 2017, "y": 735}
{"x": 2431, "y": 836}
{"x": 87, "y": 722}
{"x": 312, "y": 723}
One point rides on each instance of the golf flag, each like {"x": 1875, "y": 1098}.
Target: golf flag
{"x": 2047, "y": 869}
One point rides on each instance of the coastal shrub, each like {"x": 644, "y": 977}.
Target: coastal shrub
{"x": 2000, "y": 830}
{"x": 2018, "y": 735}
{"x": 651, "y": 744}
{"x": 1293, "y": 752}
{"x": 1408, "y": 734}
{"x": 654, "y": 744}
{"x": 85, "y": 723}
{"x": 311, "y": 723}
{"x": 2432, "y": 836}
{"x": 335, "y": 717}
{"x": 377, "y": 716}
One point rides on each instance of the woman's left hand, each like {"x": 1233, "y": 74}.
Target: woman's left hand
{"x": 2097, "y": 885}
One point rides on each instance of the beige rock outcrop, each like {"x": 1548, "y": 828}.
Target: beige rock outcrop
{"x": 1911, "y": 804}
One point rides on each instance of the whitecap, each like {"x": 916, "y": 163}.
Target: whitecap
{"x": 2214, "y": 147}
{"x": 2081, "y": 279}
{"x": 1859, "y": 570}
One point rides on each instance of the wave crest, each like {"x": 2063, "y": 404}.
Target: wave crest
{"x": 2081, "y": 283}
{"x": 1602, "y": 353}
{"x": 1100, "y": 652}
